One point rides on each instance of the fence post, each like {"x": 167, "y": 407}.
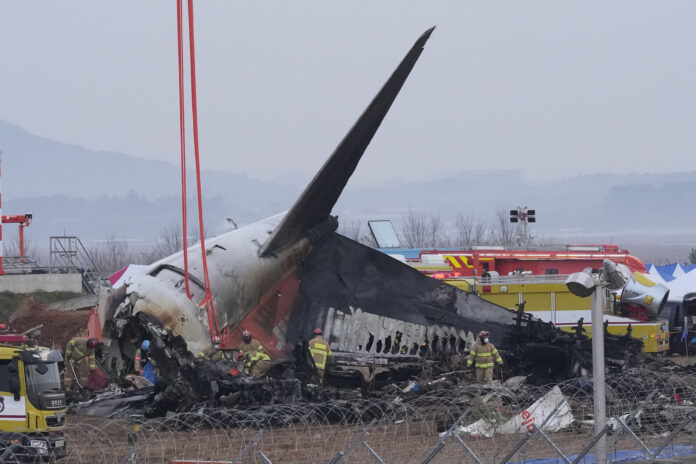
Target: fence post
{"x": 466, "y": 447}
{"x": 253, "y": 441}
{"x": 524, "y": 439}
{"x": 372, "y": 452}
{"x": 264, "y": 458}
{"x": 596, "y": 438}
{"x": 633, "y": 435}
{"x": 441, "y": 443}
{"x": 552, "y": 444}
{"x": 670, "y": 437}
{"x": 341, "y": 454}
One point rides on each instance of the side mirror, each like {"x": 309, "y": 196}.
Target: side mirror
{"x": 14, "y": 384}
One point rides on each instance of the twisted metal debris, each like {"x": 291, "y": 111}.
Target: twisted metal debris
{"x": 406, "y": 428}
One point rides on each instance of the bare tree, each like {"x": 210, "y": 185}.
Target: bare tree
{"x": 12, "y": 248}
{"x": 692, "y": 256}
{"x": 434, "y": 232}
{"x": 169, "y": 242}
{"x": 111, "y": 255}
{"x": 502, "y": 231}
{"x": 420, "y": 230}
{"x": 194, "y": 234}
{"x": 351, "y": 229}
{"x": 414, "y": 230}
{"x": 470, "y": 230}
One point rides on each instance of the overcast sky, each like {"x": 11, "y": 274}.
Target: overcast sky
{"x": 555, "y": 88}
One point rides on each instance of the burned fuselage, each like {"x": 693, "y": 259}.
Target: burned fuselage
{"x": 288, "y": 274}
{"x": 156, "y": 301}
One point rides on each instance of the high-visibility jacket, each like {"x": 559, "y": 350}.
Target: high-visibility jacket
{"x": 77, "y": 351}
{"x": 253, "y": 352}
{"x": 483, "y": 355}
{"x": 321, "y": 351}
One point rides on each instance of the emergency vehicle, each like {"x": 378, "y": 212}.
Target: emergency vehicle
{"x": 478, "y": 260}
{"x": 547, "y": 297}
{"x": 32, "y": 401}
{"x": 510, "y": 276}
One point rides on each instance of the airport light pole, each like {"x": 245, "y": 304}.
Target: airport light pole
{"x": 599, "y": 382}
{"x": 583, "y": 284}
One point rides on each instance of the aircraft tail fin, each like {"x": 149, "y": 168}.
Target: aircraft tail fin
{"x": 317, "y": 200}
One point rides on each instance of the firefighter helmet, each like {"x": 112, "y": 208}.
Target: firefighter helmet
{"x": 246, "y": 335}
{"x": 318, "y": 331}
{"x": 92, "y": 342}
{"x": 483, "y": 334}
{"x": 216, "y": 340}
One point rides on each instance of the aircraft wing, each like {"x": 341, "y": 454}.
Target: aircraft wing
{"x": 317, "y": 200}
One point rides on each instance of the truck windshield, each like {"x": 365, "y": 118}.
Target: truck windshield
{"x": 38, "y": 383}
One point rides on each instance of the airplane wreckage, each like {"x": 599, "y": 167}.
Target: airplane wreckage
{"x": 283, "y": 276}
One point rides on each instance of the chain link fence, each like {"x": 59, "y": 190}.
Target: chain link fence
{"x": 650, "y": 415}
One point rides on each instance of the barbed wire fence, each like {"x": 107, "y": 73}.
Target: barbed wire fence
{"x": 649, "y": 415}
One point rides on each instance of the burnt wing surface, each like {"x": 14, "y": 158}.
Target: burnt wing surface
{"x": 341, "y": 273}
{"x": 316, "y": 202}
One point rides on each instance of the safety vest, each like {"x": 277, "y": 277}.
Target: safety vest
{"x": 320, "y": 351}
{"x": 483, "y": 355}
{"x": 77, "y": 350}
{"x": 253, "y": 352}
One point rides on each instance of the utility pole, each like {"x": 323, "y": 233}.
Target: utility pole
{"x": 598, "y": 382}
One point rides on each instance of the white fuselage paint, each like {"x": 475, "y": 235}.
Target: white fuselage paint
{"x": 239, "y": 278}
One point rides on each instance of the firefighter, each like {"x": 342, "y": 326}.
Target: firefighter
{"x": 482, "y": 354}
{"x": 216, "y": 352}
{"x": 141, "y": 357}
{"x": 80, "y": 361}
{"x": 321, "y": 353}
{"x": 256, "y": 360}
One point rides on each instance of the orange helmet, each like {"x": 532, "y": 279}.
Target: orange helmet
{"x": 318, "y": 331}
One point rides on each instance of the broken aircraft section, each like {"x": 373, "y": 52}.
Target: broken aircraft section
{"x": 286, "y": 275}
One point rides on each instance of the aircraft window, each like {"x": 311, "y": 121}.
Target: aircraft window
{"x": 551, "y": 272}
{"x": 371, "y": 340}
{"x": 175, "y": 277}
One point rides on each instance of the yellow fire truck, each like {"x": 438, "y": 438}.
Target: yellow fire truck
{"x": 32, "y": 401}
{"x": 548, "y": 298}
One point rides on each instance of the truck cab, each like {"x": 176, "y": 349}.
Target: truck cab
{"x": 32, "y": 401}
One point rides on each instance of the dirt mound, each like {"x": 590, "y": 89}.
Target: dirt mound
{"x": 58, "y": 326}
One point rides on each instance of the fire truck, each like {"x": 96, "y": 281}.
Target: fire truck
{"x": 501, "y": 261}
{"x": 32, "y": 401}
{"x": 510, "y": 277}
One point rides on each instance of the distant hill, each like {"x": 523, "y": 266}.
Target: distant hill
{"x": 92, "y": 193}
{"x": 34, "y": 166}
